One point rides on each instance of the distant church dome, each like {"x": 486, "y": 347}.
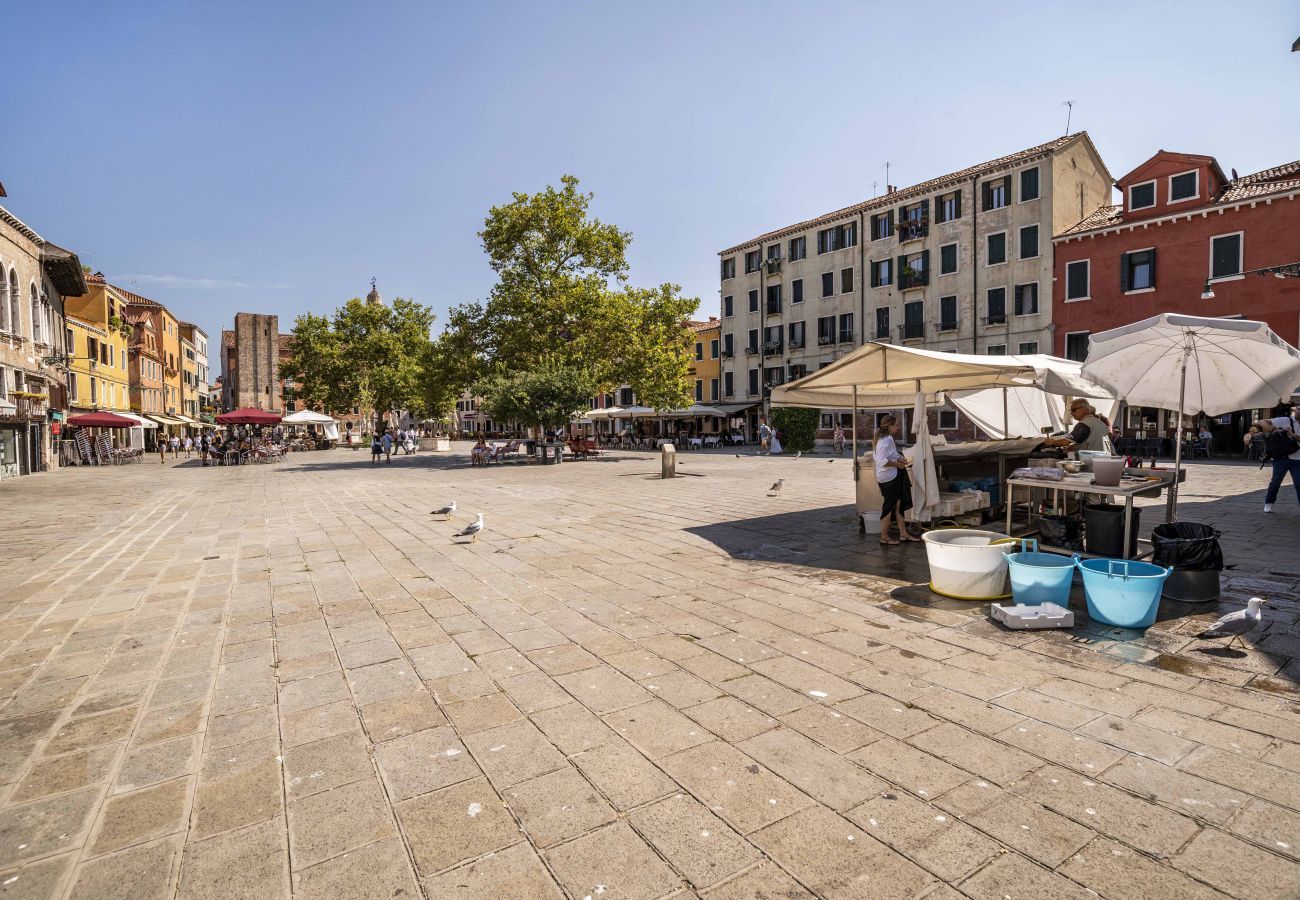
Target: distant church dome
{"x": 373, "y": 297}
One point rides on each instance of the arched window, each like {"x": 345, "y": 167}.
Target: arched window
{"x": 4, "y": 300}
{"x": 36, "y": 311}
{"x": 15, "y": 305}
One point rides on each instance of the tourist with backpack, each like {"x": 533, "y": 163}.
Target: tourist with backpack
{"x": 1282, "y": 449}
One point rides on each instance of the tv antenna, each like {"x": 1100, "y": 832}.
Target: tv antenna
{"x": 1068, "y": 114}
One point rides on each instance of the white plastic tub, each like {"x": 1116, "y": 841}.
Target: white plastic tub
{"x": 965, "y": 564}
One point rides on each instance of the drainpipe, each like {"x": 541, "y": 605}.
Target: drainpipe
{"x": 974, "y": 264}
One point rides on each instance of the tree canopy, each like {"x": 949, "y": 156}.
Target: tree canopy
{"x": 367, "y": 354}
{"x": 562, "y": 301}
{"x": 547, "y": 396}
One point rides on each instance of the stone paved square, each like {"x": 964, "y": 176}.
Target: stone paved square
{"x": 628, "y": 686}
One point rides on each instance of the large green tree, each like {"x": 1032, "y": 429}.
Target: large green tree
{"x": 367, "y": 354}
{"x": 562, "y": 301}
{"x": 547, "y": 396}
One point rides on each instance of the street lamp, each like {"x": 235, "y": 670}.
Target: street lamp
{"x": 1288, "y": 270}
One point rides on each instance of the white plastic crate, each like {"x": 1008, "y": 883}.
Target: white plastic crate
{"x": 1044, "y": 615}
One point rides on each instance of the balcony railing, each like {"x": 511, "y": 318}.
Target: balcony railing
{"x": 912, "y": 230}
{"x": 882, "y": 332}
{"x": 29, "y": 405}
{"x": 846, "y": 337}
{"x": 751, "y": 350}
{"x": 912, "y": 278}
{"x": 774, "y": 307}
{"x": 825, "y": 340}
{"x": 773, "y": 348}
{"x": 773, "y": 265}
{"x": 728, "y": 354}
{"x": 911, "y": 331}
{"x": 995, "y": 319}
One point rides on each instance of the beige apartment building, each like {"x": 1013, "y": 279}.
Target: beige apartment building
{"x": 959, "y": 263}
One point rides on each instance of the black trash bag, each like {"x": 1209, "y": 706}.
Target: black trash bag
{"x": 1103, "y": 529}
{"x": 1189, "y": 546}
{"x": 1065, "y": 532}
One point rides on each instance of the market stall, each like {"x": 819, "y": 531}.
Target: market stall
{"x": 305, "y": 417}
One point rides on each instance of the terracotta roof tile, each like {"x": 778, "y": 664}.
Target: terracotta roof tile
{"x": 714, "y": 322}
{"x": 916, "y": 190}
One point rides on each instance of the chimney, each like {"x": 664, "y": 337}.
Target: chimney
{"x": 889, "y": 189}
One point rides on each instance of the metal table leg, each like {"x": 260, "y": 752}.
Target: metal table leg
{"x": 1128, "y": 525}
{"x": 1011, "y": 490}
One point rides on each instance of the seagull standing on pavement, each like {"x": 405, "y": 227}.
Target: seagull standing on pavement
{"x": 798, "y": 453}
{"x": 775, "y": 489}
{"x": 446, "y": 511}
{"x": 1235, "y": 624}
{"x": 472, "y": 530}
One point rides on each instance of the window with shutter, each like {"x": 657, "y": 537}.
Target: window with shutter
{"x": 986, "y": 196}
{"x": 997, "y": 249}
{"x": 947, "y": 259}
{"x": 997, "y": 306}
{"x": 1225, "y": 255}
{"x": 796, "y": 291}
{"x": 882, "y": 323}
{"x": 1077, "y": 280}
{"x": 1029, "y": 241}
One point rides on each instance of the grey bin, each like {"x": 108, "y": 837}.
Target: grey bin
{"x": 1192, "y": 587}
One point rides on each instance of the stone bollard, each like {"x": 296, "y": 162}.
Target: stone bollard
{"x": 668, "y": 458}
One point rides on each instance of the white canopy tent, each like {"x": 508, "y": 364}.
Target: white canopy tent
{"x": 307, "y": 417}
{"x": 135, "y": 434}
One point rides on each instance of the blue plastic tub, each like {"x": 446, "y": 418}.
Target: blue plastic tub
{"x": 1041, "y": 577}
{"x": 1122, "y": 592}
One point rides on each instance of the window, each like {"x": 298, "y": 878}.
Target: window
{"x": 1027, "y": 299}
{"x": 699, "y": 350}
{"x": 713, "y": 349}
{"x": 837, "y": 237}
{"x": 796, "y": 291}
{"x": 797, "y": 371}
{"x": 882, "y": 226}
{"x": 825, "y": 331}
{"x": 997, "y": 306}
{"x": 72, "y": 385}
{"x": 947, "y": 259}
{"x": 36, "y": 313}
{"x": 1137, "y": 271}
{"x": 1028, "y": 348}
{"x": 948, "y": 207}
{"x": 772, "y": 340}
{"x": 1078, "y": 277}
{"x": 773, "y": 251}
{"x": 798, "y": 248}
{"x": 753, "y": 301}
{"x": 699, "y": 390}
{"x": 713, "y": 389}
{"x": 996, "y": 349}
{"x": 828, "y": 284}
{"x": 753, "y": 381}
{"x": 914, "y": 221}
{"x": 728, "y": 268}
{"x": 948, "y": 313}
{"x": 1185, "y": 186}
{"x": 882, "y": 323}
{"x": 773, "y": 299}
{"x": 1076, "y": 345}
{"x": 948, "y": 417}
{"x": 914, "y": 270}
{"x": 846, "y": 328}
{"x": 753, "y": 340}
{"x": 1142, "y": 196}
{"x": 727, "y": 308}
{"x": 795, "y": 332}
{"x": 1029, "y": 184}
{"x": 913, "y": 320}
{"x": 1029, "y": 242}
{"x": 997, "y": 249}
{"x": 880, "y": 272}
{"x": 996, "y": 194}
{"x": 728, "y": 345}
{"x": 753, "y": 259}
{"x": 846, "y": 281}
{"x": 1225, "y": 255}
{"x": 728, "y": 385}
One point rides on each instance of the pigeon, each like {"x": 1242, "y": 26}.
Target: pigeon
{"x": 446, "y": 511}
{"x": 830, "y": 460}
{"x": 1235, "y": 624}
{"x": 776, "y": 488}
{"x": 472, "y": 530}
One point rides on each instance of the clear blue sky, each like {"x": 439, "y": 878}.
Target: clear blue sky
{"x": 272, "y": 156}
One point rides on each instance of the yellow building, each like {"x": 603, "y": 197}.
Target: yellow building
{"x": 706, "y": 365}
{"x": 98, "y": 338}
{"x": 189, "y": 374}
{"x": 167, "y": 330}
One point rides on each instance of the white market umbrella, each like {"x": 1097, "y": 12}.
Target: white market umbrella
{"x": 1193, "y": 364}
{"x": 307, "y": 417}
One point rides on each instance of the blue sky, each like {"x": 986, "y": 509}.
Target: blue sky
{"x": 273, "y": 156}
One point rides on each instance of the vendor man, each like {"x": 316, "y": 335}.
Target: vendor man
{"x": 1089, "y": 432}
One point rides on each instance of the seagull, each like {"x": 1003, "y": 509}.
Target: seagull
{"x": 798, "y": 453}
{"x": 472, "y": 529}
{"x": 446, "y": 511}
{"x": 776, "y": 488}
{"x": 1235, "y": 624}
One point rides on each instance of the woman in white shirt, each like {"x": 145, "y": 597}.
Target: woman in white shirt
{"x": 895, "y": 484}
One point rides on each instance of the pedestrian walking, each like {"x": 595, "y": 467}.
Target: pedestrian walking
{"x": 1282, "y": 449}
{"x": 839, "y": 439}
{"x": 176, "y": 446}
{"x": 162, "y": 449}
{"x": 189, "y": 446}
{"x": 376, "y": 448}
{"x": 205, "y": 444}
{"x": 764, "y": 436}
{"x": 387, "y": 443}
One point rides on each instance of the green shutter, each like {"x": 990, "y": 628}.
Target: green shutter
{"x": 898, "y": 271}
{"x": 925, "y": 266}
{"x": 1153, "y": 267}
{"x": 1123, "y": 272}
{"x": 956, "y": 214}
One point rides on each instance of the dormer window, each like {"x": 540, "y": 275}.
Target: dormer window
{"x": 1184, "y": 186}
{"x": 1142, "y": 196}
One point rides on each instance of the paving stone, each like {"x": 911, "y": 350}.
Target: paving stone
{"x": 893, "y": 717}
{"x": 382, "y": 681}
{"x": 439, "y": 661}
{"x": 975, "y": 753}
{"x": 1269, "y": 826}
{"x": 1105, "y": 809}
{"x": 317, "y": 722}
{"x": 1137, "y": 738}
{"x": 730, "y": 719}
{"x": 763, "y": 882}
{"x": 141, "y": 816}
{"x": 368, "y": 653}
{"x": 92, "y": 731}
{"x": 241, "y": 728}
{"x": 1252, "y": 872}
{"x": 237, "y": 786}
{"x": 126, "y": 695}
{"x": 482, "y": 825}
{"x": 656, "y": 729}
{"x": 734, "y": 785}
{"x": 806, "y": 679}
{"x": 614, "y": 862}
{"x": 1183, "y": 791}
{"x": 54, "y": 775}
{"x": 46, "y": 826}
{"x": 623, "y": 775}
{"x": 38, "y": 880}
{"x": 320, "y": 663}
{"x": 713, "y": 668}
{"x": 1116, "y": 871}
{"x": 1244, "y": 774}
{"x": 380, "y": 869}
{"x": 1014, "y": 876}
{"x": 931, "y": 837}
{"x": 973, "y": 714}
{"x": 562, "y": 659}
{"x": 481, "y": 713}
{"x": 835, "y": 730}
{"x": 557, "y": 806}
{"x": 1044, "y": 708}
{"x": 573, "y": 728}
{"x": 314, "y": 821}
{"x": 697, "y": 843}
{"x": 515, "y": 752}
{"x": 325, "y": 764}
{"x": 425, "y": 761}
{"x": 250, "y": 863}
{"x": 821, "y": 774}
{"x": 169, "y": 722}
{"x": 400, "y": 716}
{"x": 157, "y": 763}
{"x": 911, "y": 769}
{"x": 603, "y": 689}
{"x": 1035, "y": 831}
{"x": 838, "y": 859}
{"x": 535, "y": 692}
{"x": 513, "y": 872}
{"x": 766, "y": 695}
{"x": 1203, "y": 731}
{"x": 1062, "y": 747}
{"x": 315, "y": 691}
{"x": 680, "y": 689}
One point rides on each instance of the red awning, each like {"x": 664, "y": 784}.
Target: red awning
{"x": 102, "y": 420}
{"x": 249, "y": 416}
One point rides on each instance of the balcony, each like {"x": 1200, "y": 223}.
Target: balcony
{"x": 911, "y": 331}
{"x": 751, "y": 351}
{"x": 910, "y": 278}
{"x": 29, "y": 405}
{"x": 728, "y": 354}
{"x": 773, "y": 266}
{"x": 773, "y": 348}
{"x": 913, "y": 230}
{"x": 825, "y": 340}
{"x": 773, "y": 307}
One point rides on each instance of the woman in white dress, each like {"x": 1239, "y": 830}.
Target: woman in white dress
{"x": 895, "y": 483}
{"x": 774, "y": 444}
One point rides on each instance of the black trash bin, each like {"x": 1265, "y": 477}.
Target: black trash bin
{"x": 1065, "y": 532}
{"x": 1193, "y": 550}
{"x": 1103, "y": 530}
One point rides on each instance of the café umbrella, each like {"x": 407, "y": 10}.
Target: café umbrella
{"x": 102, "y": 420}
{"x": 1193, "y": 364}
{"x": 249, "y": 416}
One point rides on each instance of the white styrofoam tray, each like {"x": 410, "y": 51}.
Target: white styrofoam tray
{"x": 1044, "y": 615}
